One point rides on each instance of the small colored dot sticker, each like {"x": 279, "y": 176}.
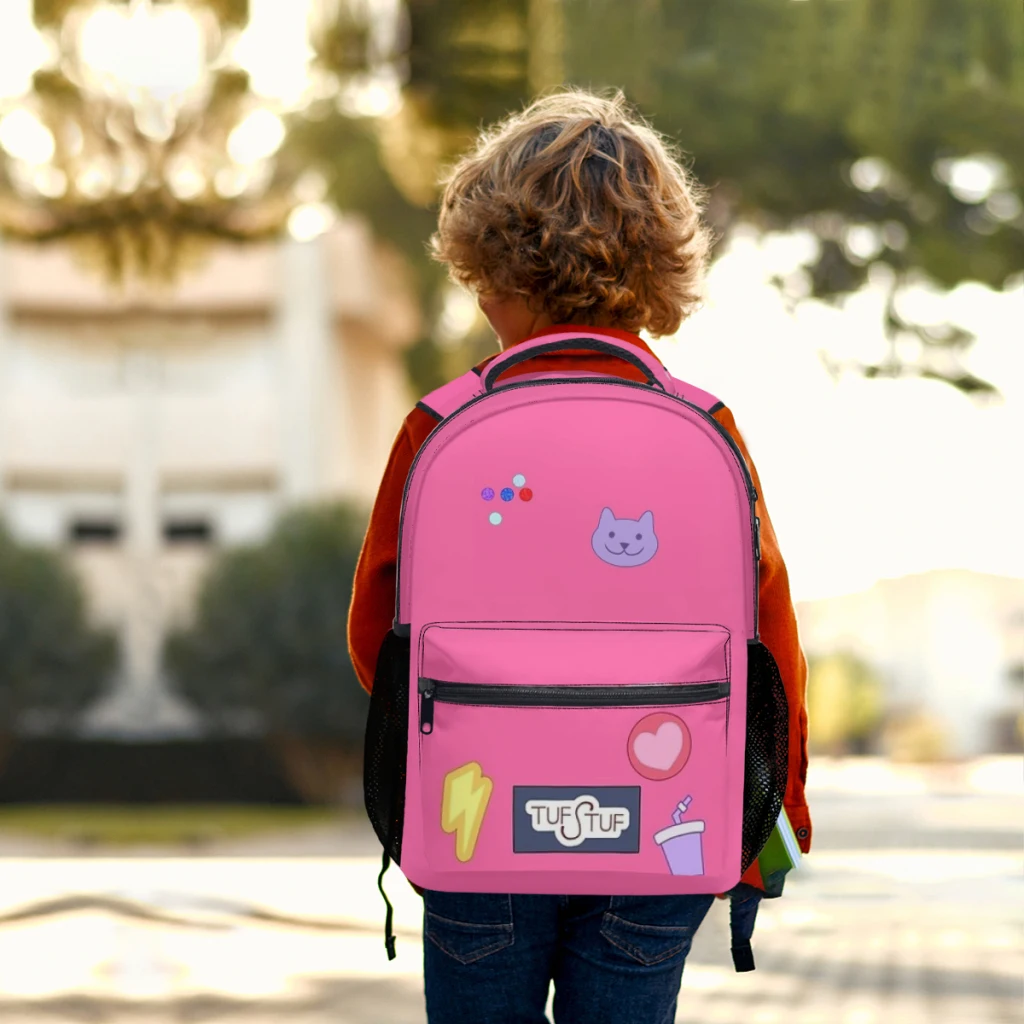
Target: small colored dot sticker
{"x": 487, "y": 493}
{"x": 507, "y": 494}
{"x": 519, "y": 479}
{"x": 494, "y": 518}
{"x": 526, "y": 494}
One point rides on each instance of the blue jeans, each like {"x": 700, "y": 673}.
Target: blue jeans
{"x": 489, "y": 959}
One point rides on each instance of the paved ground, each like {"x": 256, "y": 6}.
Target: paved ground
{"x": 908, "y": 912}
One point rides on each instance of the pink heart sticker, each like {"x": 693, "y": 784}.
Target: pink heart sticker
{"x": 659, "y": 749}
{"x": 659, "y": 746}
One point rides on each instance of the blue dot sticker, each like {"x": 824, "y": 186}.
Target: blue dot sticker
{"x": 507, "y": 494}
{"x": 495, "y": 518}
{"x": 487, "y": 493}
{"x": 519, "y": 479}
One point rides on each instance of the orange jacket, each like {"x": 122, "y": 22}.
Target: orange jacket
{"x": 373, "y": 595}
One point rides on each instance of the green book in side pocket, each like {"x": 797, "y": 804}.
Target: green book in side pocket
{"x": 781, "y": 852}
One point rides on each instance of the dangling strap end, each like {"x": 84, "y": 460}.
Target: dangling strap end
{"x": 743, "y": 957}
{"x": 742, "y": 915}
{"x": 389, "y": 934}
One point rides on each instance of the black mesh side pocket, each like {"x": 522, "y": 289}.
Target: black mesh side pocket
{"x": 384, "y": 752}
{"x": 767, "y": 757}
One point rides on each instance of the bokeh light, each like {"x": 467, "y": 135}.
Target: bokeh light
{"x": 25, "y": 137}
{"x": 155, "y": 52}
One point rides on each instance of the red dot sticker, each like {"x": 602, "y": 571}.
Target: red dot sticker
{"x": 525, "y": 493}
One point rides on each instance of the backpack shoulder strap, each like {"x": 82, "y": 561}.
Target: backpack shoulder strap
{"x": 443, "y": 401}
{"x": 702, "y": 399}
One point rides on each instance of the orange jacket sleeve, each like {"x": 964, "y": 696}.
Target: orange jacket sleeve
{"x": 372, "y": 609}
{"x": 777, "y": 623}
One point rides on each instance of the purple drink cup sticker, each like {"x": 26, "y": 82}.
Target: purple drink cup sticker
{"x": 682, "y": 842}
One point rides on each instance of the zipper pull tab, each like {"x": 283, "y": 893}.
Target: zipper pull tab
{"x": 426, "y": 705}
{"x": 757, "y": 535}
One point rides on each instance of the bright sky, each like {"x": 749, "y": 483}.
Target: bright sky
{"x": 274, "y": 49}
{"x": 21, "y": 49}
{"x": 863, "y": 479}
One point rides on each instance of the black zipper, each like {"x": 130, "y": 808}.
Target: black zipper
{"x": 518, "y": 696}
{"x": 617, "y": 382}
{"x": 757, "y": 574}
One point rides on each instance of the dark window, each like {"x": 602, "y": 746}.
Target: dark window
{"x": 95, "y": 530}
{"x": 188, "y": 531}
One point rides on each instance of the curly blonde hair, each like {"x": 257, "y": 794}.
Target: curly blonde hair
{"x": 578, "y": 205}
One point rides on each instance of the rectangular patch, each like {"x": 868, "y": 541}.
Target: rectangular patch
{"x": 576, "y": 819}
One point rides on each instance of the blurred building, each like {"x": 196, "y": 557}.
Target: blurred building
{"x": 141, "y": 432}
{"x": 949, "y": 643}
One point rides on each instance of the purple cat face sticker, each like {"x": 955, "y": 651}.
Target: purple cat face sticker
{"x": 625, "y": 541}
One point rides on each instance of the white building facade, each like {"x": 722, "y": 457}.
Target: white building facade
{"x": 142, "y": 432}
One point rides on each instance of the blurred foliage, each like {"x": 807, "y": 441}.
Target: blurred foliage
{"x": 844, "y": 704}
{"x": 466, "y": 63}
{"x": 914, "y": 735}
{"x": 1006, "y": 732}
{"x": 268, "y": 639}
{"x": 832, "y": 117}
{"x": 121, "y": 162}
{"x": 48, "y": 13}
{"x": 777, "y": 100}
{"x": 838, "y": 116}
{"x": 164, "y": 825}
{"x": 52, "y": 663}
{"x": 888, "y": 129}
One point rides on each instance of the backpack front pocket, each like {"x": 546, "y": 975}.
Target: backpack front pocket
{"x": 551, "y": 750}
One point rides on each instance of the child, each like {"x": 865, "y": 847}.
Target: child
{"x": 572, "y": 212}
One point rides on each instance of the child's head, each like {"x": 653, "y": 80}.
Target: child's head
{"x": 577, "y": 210}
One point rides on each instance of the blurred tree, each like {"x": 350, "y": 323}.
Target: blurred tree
{"x": 267, "y": 645}
{"x": 889, "y": 129}
{"x": 466, "y": 63}
{"x": 49, "y": 13}
{"x": 914, "y": 734}
{"x": 844, "y": 704}
{"x": 139, "y": 179}
{"x": 52, "y": 663}
{"x": 347, "y": 150}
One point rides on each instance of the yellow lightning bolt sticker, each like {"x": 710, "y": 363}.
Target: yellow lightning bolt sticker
{"x": 467, "y": 792}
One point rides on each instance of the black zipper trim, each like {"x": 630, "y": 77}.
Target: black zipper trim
{"x": 423, "y": 407}
{"x": 757, "y": 573}
{"x": 519, "y": 696}
{"x": 617, "y": 382}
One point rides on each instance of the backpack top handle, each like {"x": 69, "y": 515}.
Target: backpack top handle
{"x": 656, "y": 374}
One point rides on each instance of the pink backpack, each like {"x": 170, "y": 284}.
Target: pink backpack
{"x": 573, "y": 698}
